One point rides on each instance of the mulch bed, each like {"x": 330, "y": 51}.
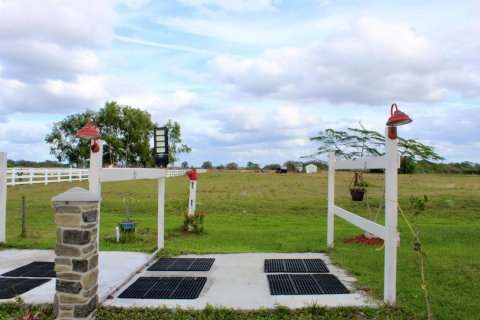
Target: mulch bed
{"x": 361, "y": 239}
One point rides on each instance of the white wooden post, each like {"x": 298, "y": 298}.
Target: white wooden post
{"x": 192, "y": 198}
{"x": 331, "y": 199}
{"x": 58, "y": 175}
{"x": 161, "y": 213}
{"x": 46, "y": 176}
{"x": 14, "y": 173}
{"x": 31, "y": 176}
{"x": 3, "y": 197}
{"x": 391, "y": 239}
{"x": 94, "y": 184}
{"x": 70, "y": 174}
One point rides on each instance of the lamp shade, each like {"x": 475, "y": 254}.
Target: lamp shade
{"x": 397, "y": 117}
{"x": 192, "y": 175}
{"x": 89, "y": 131}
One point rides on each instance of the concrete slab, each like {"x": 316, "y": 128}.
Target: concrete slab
{"x": 238, "y": 281}
{"x": 115, "y": 267}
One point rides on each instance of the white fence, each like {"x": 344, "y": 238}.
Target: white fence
{"x": 390, "y": 162}
{"x": 18, "y": 176}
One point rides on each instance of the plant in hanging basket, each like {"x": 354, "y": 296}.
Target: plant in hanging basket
{"x": 358, "y": 187}
{"x": 127, "y": 225}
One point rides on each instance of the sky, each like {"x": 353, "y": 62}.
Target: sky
{"x": 248, "y": 80}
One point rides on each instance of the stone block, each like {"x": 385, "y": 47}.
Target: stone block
{"x": 87, "y": 206}
{"x": 69, "y": 276}
{"x": 89, "y": 249}
{"x": 59, "y": 235}
{"x": 91, "y": 292}
{"x": 76, "y": 236}
{"x": 69, "y": 251}
{"x": 84, "y": 310}
{"x": 65, "y": 306}
{"x": 93, "y": 262}
{"x": 90, "y": 279}
{"x": 68, "y": 220}
{"x": 71, "y": 298}
{"x": 67, "y": 209}
{"x": 60, "y": 268}
{"x": 64, "y": 261}
{"x": 65, "y": 314}
{"x": 80, "y": 265}
{"x": 90, "y": 216}
{"x": 56, "y": 306}
{"x": 68, "y": 286}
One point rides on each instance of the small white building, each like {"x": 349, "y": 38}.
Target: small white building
{"x": 311, "y": 168}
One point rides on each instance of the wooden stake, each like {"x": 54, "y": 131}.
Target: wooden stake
{"x": 24, "y": 217}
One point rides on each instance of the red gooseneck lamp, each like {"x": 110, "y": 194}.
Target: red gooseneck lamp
{"x": 89, "y": 131}
{"x": 397, "y": 118}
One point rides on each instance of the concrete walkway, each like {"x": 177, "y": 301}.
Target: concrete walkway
{"x": 115, "y": 267}
{"x": 234, "y": 281}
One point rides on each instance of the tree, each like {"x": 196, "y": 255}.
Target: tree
{"x": 231, "y": 166}
{"x": 175, "y": 141}
{"x": 184, "y": 165}
{"x": 207, "y": 165}
{"x": 125, "y": 130}
{"x": 220, "y": 167}
{"x": 252, "y": 166}
{"x": 272, "y": 166}
{"x": 63, "y": 143}
{"x": 359, "y": 143}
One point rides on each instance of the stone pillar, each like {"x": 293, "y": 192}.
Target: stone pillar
{"x": 76, "y": 261}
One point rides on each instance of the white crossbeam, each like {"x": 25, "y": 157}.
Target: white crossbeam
{"x": 365, "y": 224}
{"x": 123, "y": 174}
{"x": 364, "y": 163}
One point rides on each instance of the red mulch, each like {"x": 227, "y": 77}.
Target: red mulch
{"x": 361, "y": 239}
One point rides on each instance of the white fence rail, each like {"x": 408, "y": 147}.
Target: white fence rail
{"x": 18, "y": 176}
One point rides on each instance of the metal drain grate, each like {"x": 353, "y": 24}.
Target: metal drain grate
{"x": 12, "y": 287}
{"x": 35, "y": 269}
{"x": 304, "y": 284}
{"x": 165, "y": 288}
{"x": 295, "y": 266}
{"x": 182, "y": 264}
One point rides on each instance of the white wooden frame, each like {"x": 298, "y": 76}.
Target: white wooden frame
{"x": 390, "y": 162}
{"x": 97, "y": 175}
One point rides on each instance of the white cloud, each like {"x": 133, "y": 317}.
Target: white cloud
{"x": 232, "y": 5}
{"x": 85, "y": 23}
{"x": 369, "y": 61}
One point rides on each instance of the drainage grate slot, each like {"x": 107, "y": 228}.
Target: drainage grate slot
{"x": 165, "y": 288}
{"x": 182, "y": 264}
{"x": 305, "y": 284}
{"x": 35, "y": 269}
{"x": 12, "y": 287}
{"x": 295, "y": 266}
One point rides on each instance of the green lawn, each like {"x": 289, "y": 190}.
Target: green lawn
{"x": 248, "y": 212}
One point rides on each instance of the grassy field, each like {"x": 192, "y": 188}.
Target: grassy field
{"x": 248, "y": 212}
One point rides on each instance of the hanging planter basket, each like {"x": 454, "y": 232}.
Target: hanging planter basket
{"x": 357, "y": 187}
{"x": 128, "y": 226}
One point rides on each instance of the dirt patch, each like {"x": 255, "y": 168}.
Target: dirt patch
{"x": 361, "y": 239}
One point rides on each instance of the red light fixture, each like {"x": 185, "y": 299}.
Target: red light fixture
{"x": 397, "y": 118}
{"x": 89, "y": 131}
